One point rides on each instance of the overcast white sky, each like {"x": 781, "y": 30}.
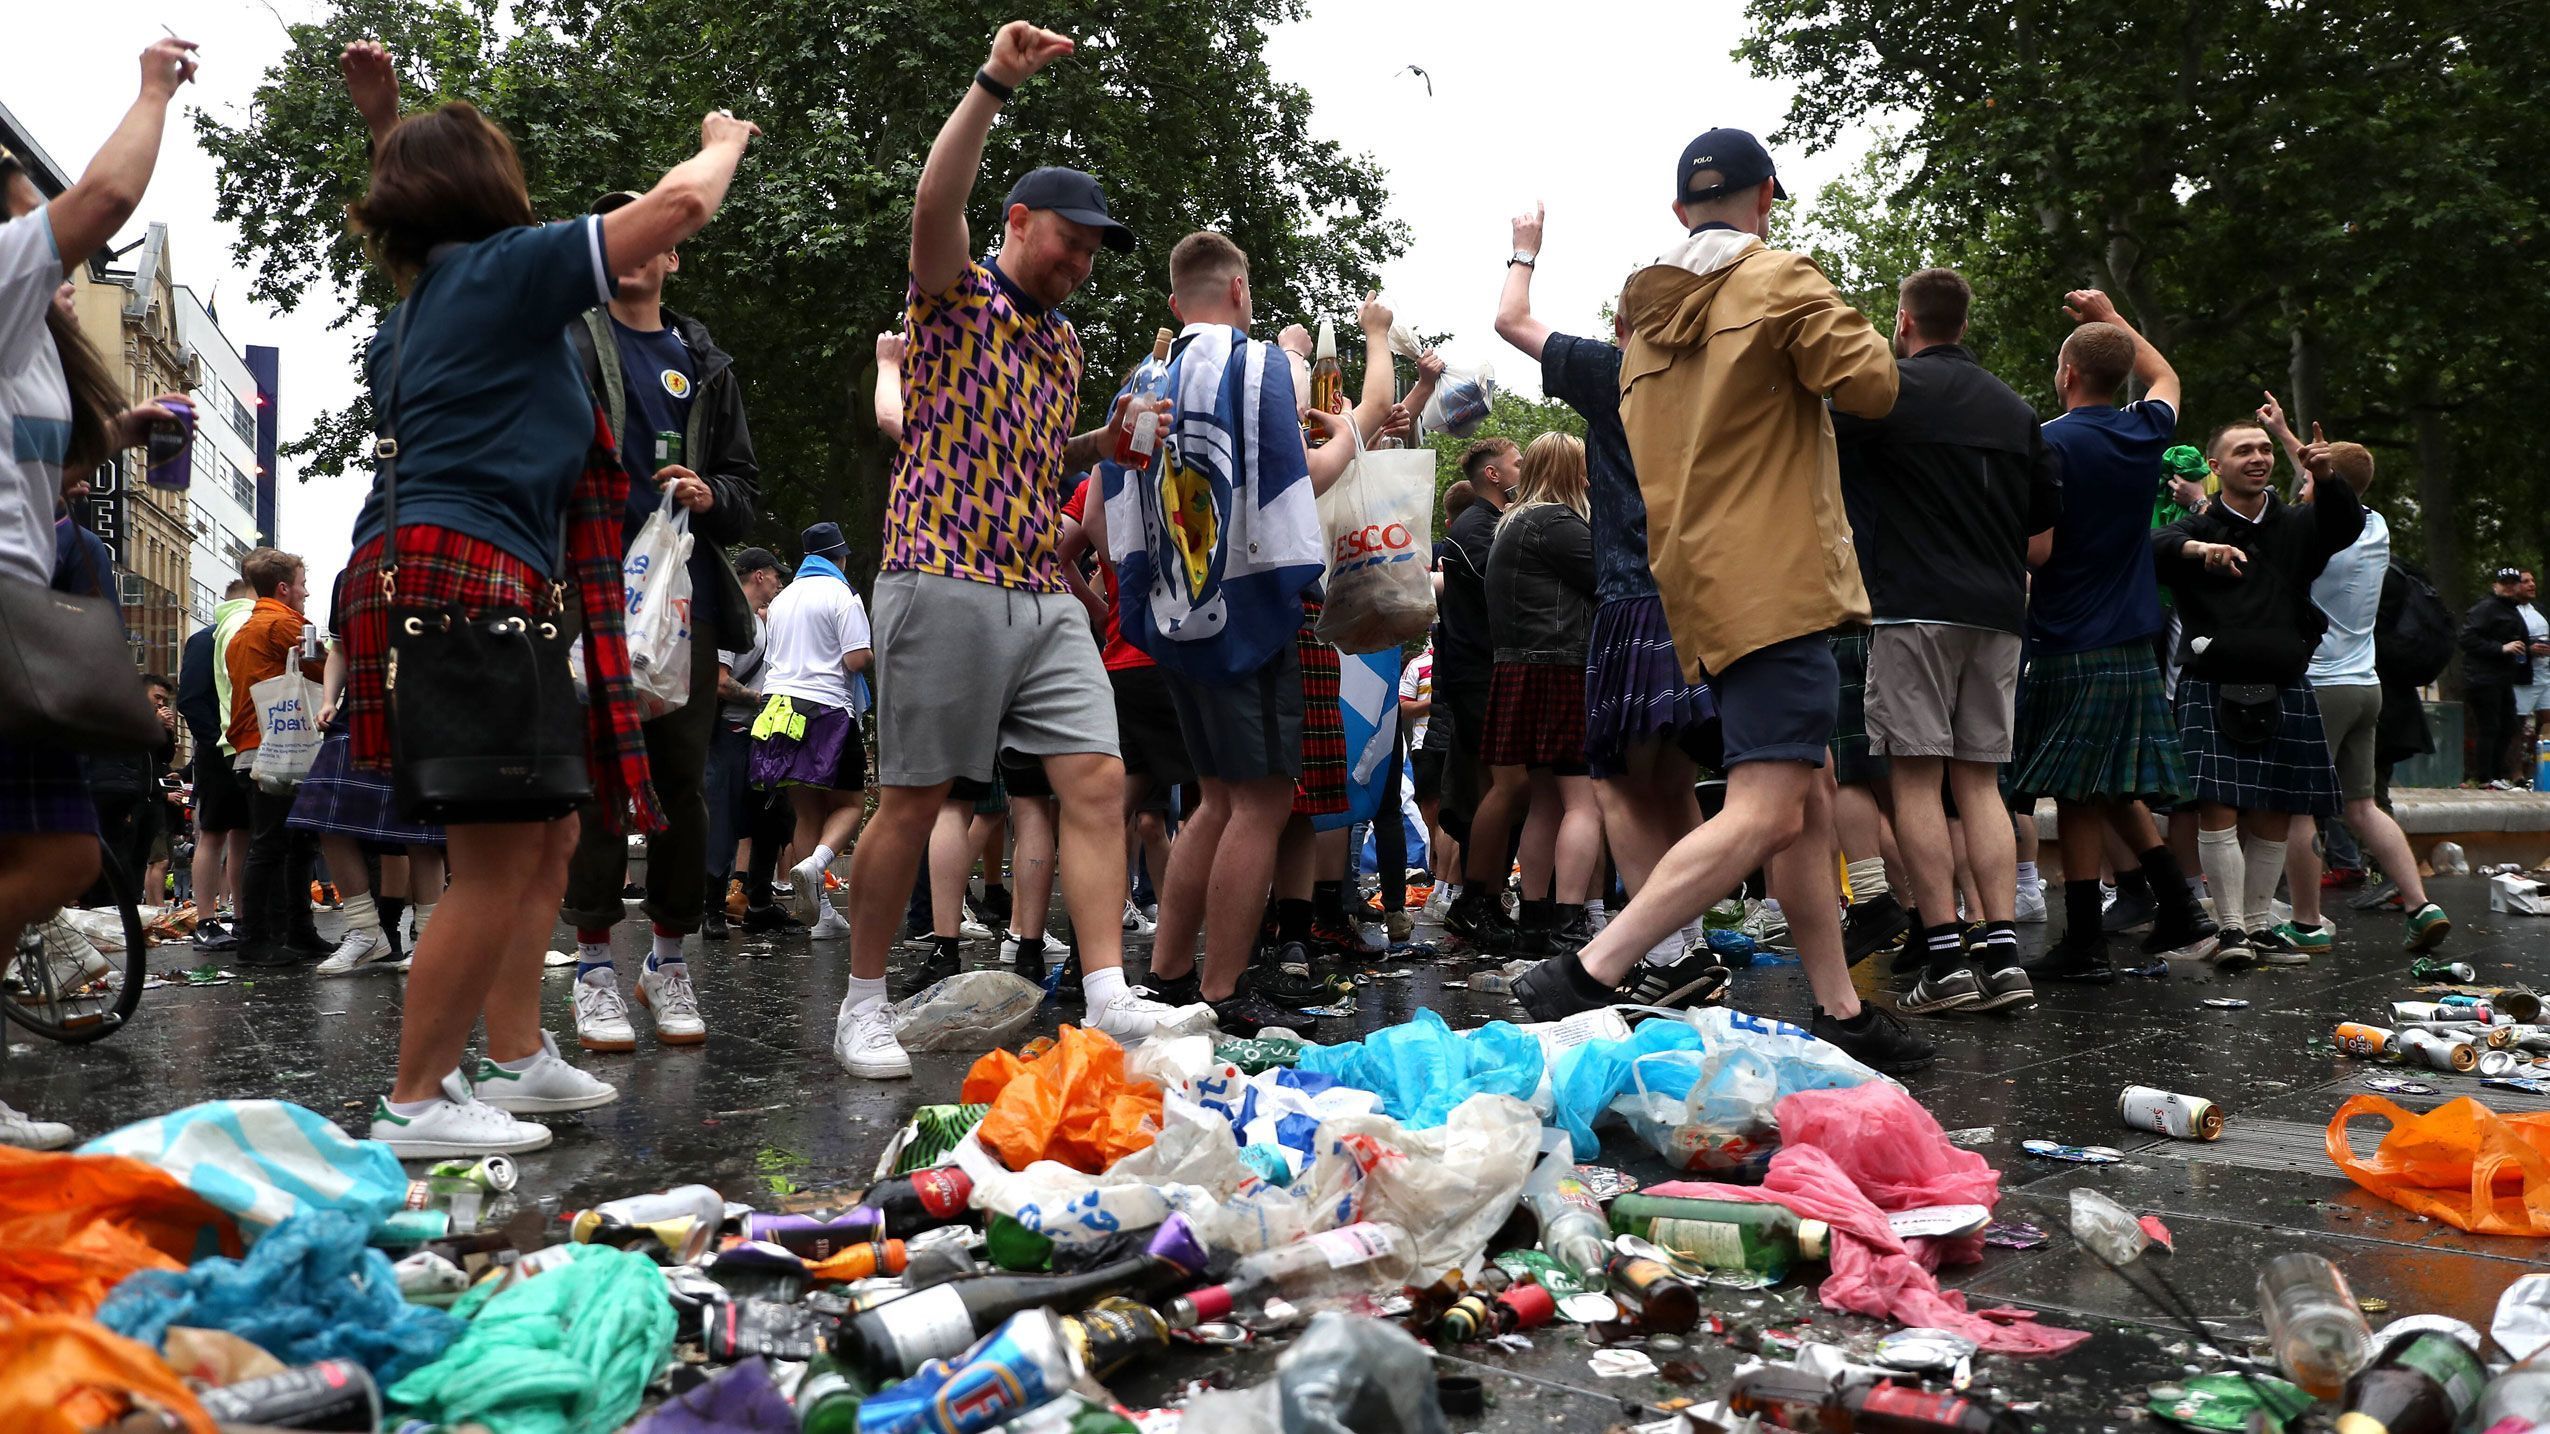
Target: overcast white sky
{"x": 1584, "y": 105}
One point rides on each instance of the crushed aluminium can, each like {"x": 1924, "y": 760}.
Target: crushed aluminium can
{"x": 2396, "y": 1085}
{"x": 2181, "y": 1117}
{"x": 2076, "y": 1154}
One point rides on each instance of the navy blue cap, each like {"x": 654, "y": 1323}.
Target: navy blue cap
{"x": 1739, "y": 159}
{"x": 824, "y": 540}
{"x": 1073, "y": 195}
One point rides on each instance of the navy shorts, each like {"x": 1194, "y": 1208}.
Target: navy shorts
{"x": 1779, "y": 703}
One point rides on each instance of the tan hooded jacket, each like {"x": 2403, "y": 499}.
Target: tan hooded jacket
{"x": 1733, "y": 348}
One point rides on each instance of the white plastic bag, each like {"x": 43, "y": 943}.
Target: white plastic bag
{"x": 288, "y": 716}
{"x": 657, "y": 574}
{"x": 1379, "y": 519}
{"x": 1449, "y": 1187}
{"x": 1461, "y": 396}
{"x": 1193, "y": 1169}
{"x": 1713, "y": 1109}
{"x": 969, "y": 1011}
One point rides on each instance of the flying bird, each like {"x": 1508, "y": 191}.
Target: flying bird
{"x": 1419, "y": 72}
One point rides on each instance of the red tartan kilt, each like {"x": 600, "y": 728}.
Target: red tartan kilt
{"x": 437, "y": 567}
{"x": 1321, "y": 792}
{"x": 1536, "y": 716}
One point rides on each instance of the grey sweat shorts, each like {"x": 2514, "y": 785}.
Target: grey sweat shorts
{"x": 967, "y": 670}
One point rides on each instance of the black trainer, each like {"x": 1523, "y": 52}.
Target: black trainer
{"x": 1940, "y": 993}
{"x": 2232, "y": 950}
{"x": 1289, "y": 981}
{"x": 1481, "y": 922}
{"x": 2132, "y": 910}
{"x": 2081, "y": 959}
{"x": 1183, "y": 990}
{"x": 1246, "y": 1013}
{"x": 1877, "y": 924}
{"x": 945, "y": 959}
{"x": 1876, "y": 1040}
{"x": 1067, "y": 976}
{"x": 712, "y": 925}
{"x": 1561, "y": 987}
{"x": 2384, "y": 897}
{"x": 1695, "y": 979}
{"x": 2188, "y": 933}
{"x": 770, "y": 916}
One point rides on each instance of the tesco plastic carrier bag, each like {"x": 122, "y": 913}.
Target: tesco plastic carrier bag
{"x": 1379, "y": 518}
{"x": 657, "y": 576}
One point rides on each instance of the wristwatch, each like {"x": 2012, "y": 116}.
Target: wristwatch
{"x": 1524, "y": 257}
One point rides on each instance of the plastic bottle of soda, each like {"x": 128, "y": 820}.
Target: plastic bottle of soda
{"x": 1350, "y": 1259}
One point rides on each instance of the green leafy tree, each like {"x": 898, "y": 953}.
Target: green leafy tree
{"x": 1172, "y": 105}
{"x": 1512, "y": 417}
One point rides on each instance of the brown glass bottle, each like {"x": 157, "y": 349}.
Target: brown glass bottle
{"x": 1660, "y": 1299}
{"x": 1802, "y": 1401}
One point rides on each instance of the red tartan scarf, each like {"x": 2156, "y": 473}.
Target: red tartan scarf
{"x": 623, "y": 787}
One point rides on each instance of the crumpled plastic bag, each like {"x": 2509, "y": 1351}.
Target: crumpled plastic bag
{"x": 1716, "y": 1109}
{"x": 1194, "y": 1169}
{"x": 1422, "y": 1068}
{"x": 2460, "y": 1163}
{"x": 265, "y": 1161}
{"x": 310, "y": 1290}
{"x": 1072, "y": 1103}
{"x": 739, "y": 1399}
{"x": 969, "y": 1011}
{"x": 1593, "y": 1074}
{"x": 73, "y": 1226}
{"x": 1343, "y": 1376}
{"x": 1277, "y": 1114}
{"x": 1450, "y": 1187}
{"x": 569, "y": 1351}
{"x": 60, "y": 1375}
{"x": 1848, "y": 1157}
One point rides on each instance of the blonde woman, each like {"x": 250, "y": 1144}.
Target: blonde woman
{"x": 1540, "y": 592}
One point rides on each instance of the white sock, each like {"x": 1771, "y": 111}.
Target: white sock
{"x": 1452, "y": 892}
{"x": 823, "y": 858}
{"x": 863, "y": 989}
{"x": 1594, "y": 908}
{"x": 410, "y": 1109}
{"x": 665, "y": 951}
{"x": 362, "y": 915}
{"x": 418, "y": 914}
{"x": 593, "y": 953}
{"x": 1868, "y": 879}
{"x": 2028, "y": 879}
{"x": 1101, "y": 989}
{"x": 524, "y": 1064}
{"x": 2218, "y": 854}
{"x": 2265, "y": 862}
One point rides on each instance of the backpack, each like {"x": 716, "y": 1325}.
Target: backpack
{"x": 2413, "y": 631}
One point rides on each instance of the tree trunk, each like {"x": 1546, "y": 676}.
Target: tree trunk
{"x": 2307, "y": 380}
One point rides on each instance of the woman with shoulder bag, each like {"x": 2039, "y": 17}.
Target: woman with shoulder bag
{"x": 492, "y": 534}
{"x": 66, "y": 413}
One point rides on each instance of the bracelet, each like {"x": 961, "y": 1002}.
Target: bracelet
{"x": 995, "y": 88}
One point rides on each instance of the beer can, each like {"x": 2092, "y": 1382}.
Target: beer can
{"x": 490, "y": 1175}
{"x": 2437, "y": 1052}
{"x": 332, "y": 1394}
{"x": 2519, "y": 1003}
{"x": 2496, "y": 1063}
{"x": 2362, "y": 1040}
{"x": 2181, "y": 1117}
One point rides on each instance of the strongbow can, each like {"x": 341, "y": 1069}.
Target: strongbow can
{"x": 2361, "y": 1040}
{"x": 2182, "y": 1117}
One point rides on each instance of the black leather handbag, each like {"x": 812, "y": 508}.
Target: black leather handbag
{"x": 66, "y": 674}
{"x": 2248, "y": 713}
{"x": 484, "y": 722}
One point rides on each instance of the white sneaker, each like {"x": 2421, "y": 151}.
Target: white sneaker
{"x": 602, "y": 1018}
{"x": 1597, "y": 915}
{"x": 831, "y": 925}
{"x": 2032, "y": 903}
{"x": 28, "y": 1133}
{"x": 805, "y": 889}
{"x": 1438, "y": 904}
{"x": 361, "y": 947}
{"x": 547, "y": 1085}
{"x": 1056, "y": 949}
{"x": 72, "y": 958}
{"x": 968, "y": 926}
{"x": 1130, "y": 1018}
{"x": 1135, "y": 923}
{"x": 457, "y": 1124}
{"x": 864, "y": 1043}
{"x": 666, "y": 993}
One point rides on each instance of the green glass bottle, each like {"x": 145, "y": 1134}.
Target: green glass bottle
{"x": 828, "y": 1399}
{"x": 1723, "y": 1234}
{"x": 1012, "y": 1246}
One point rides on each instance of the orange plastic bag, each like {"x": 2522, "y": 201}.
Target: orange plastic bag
{"x": 72, "y": 1226}
{"x": 2460, "y": 1163}
{"x": 60, "y": 1375}
{"x": 1073, "y": 1103}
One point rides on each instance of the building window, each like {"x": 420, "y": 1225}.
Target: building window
{"x": 242, "y": 421}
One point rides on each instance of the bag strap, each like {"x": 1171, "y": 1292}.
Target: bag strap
{"x": 385, "y": 443}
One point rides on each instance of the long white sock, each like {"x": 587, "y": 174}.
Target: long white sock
{"x": 2265, "y": 862}
{"x": 362, "y": 915}
{"x": 417, "y": 915}
{"x": 823, "y": 858}
{"x": 1868, "y": 879}
{"x": 2219, "y": 854}
{"x": 1100, "y": 989}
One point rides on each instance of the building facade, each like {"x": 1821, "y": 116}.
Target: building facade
{"x": 128, "y": 308}
{"x": 224, "y": 498}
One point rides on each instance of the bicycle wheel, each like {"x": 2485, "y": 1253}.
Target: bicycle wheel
{"x": 62, "y": 986}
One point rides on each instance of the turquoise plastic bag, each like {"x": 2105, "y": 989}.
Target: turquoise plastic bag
{"x": 1422, "y": 1068}
{"x": 1591, "y": 1076}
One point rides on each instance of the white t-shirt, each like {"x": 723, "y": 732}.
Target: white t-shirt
{"x": 747, "y": 668}
{"x": 814, "y": 623}
{"x": 1416, "y": 684}
{"x": 2349, "y": 590}
{"x": 35, "y": 400}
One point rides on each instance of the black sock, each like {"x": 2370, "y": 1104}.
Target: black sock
{"x": 2168, "y": 883}
{"x": 1292, "y": 920}
{"x": 392, "y": 909}
{"x": 2132, "y": 883}
{"x": 949, "y": 947}
{"x": 1945, "y": 946}
{"x": 2082, "y": 918}
{"x": 1328, "y": 901}
{"x": 2000, "y": 943}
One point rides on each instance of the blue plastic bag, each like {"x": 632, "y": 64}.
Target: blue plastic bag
{"x": 265, "y": 1161}
{"x": 1422, "y": 1068}
{"x": 1593, "y": 1075}
{"x": 1714, "y": 1109}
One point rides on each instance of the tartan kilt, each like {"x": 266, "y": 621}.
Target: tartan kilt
{"x": 1854, "y": 765}
{"x": 2094, "y": 727}
{"x": 1536, "y": 716}
{"x": 2289, "y": 772}
{"x": 436, "y": 567}
{"x": 1634, "y": 690}
{"x": 339, "y": 799}
{"x": 1321, "y": 792}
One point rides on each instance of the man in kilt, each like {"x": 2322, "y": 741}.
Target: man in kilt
{"x": 2250, "y": 726}
{"x": 2094, "y": 730}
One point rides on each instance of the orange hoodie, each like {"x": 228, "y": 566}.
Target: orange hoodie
{"x": 262, "y": 648}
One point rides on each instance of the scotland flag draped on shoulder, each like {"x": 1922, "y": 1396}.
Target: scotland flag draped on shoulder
{"x": 1216, "y": 543}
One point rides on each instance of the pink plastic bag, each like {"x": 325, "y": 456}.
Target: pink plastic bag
{"x": 1847, "y": 1157}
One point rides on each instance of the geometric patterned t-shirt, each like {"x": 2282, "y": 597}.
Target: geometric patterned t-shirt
{"x": 990, "y": 392}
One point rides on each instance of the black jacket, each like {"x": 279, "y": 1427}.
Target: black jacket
{"x": 1540, "y": 586}
{"x": 1462, "y": 654}
{"x": 198, "y": 701}
{"x": 2494, "y": 622}
{"x": 718, "y": 445}
{"x": 2260, "y": 626}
